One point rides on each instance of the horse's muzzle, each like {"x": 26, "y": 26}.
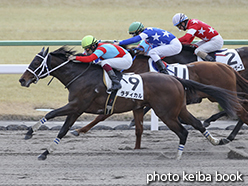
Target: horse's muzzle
{"x": 25, "y": 83}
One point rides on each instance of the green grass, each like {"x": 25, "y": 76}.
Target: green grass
{"x": 105, "y": 19}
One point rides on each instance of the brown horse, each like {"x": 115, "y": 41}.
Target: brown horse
{"x": 87, "y": 94}
{"x": 187, "y": 56}
{"x": 217, "y": 74}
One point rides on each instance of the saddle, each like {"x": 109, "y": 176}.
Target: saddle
{"x": 192, "y": 47}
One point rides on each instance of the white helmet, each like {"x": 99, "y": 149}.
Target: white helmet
{"x": 178, "y": 18}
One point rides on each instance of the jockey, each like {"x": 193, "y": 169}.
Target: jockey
{"x": 211, "y": 39}
{"x": 112, "y": 56}
{"x": 163, "y": 43}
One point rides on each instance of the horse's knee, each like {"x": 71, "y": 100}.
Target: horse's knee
{"x": 138, "y": 131}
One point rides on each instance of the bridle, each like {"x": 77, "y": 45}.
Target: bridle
{"x": 44, "y": 70}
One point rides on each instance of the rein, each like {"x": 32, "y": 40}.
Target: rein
{"x": 74, "y": 79}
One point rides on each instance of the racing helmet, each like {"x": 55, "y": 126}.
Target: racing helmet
{"x": 89, "y": 41}
{"x": 179, "y": 18}
{"x": 135, "y": 28}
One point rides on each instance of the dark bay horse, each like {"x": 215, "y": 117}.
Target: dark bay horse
{"x": 221, "y": 76}
{"x": 87, "y": 94}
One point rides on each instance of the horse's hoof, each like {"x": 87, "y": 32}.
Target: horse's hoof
{"x": 224, "y": 141}
{"x": 75, "y": 133}
{"x": 206, "y": 123}
{"x": 43, "y": 156}
{"x": 28, "y": 136}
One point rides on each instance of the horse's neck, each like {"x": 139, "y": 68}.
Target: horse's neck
{"x": 140, "y": 65}
{"x": 70, "y": 71}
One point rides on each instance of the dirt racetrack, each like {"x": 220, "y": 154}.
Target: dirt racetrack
{"x": 106, "y": 157}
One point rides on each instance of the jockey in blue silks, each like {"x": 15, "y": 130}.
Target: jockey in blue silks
{"x": 163, "y": 42}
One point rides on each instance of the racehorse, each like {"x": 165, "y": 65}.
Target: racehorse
{"x": 187, "y": 56}
{"x": 221, "y": 76}
{"x": 87, "y": 94}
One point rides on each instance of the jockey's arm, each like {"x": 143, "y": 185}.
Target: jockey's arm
{"x": 87, "y": 59}
{"x": 187, "y": 38}
{"x": 131, "y": 40}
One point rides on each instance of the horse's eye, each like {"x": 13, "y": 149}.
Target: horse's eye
{"x": 36, "y": 63}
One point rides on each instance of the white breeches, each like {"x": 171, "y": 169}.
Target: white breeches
{"x": 171, "y": 49}
{"x": 216, "y": 43}
{"x": 119, "y": 64}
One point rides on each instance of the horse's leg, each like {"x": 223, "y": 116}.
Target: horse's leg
{"x": 138, "y": 117}
{"x": 34, "y": 128}
{"x": 175, "y": 126}
{"x": 233, "y": 133}
{"x": 146, "y": 109}
{"x": 243, "y": 115}
{"x": 214, "y": 117}
{"x": 86, "y": 128}
{"x": 189, "y": 119}
{"x": 70, "y": 120}
{"x": 63, "y": 111}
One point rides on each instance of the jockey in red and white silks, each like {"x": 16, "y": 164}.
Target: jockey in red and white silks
{"x": 211, "y": 40}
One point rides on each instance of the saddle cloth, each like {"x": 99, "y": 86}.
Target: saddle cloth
{"x": 231, "y": 58}
{"x": 132, "y": 85}
{"x": 175, "y": 69}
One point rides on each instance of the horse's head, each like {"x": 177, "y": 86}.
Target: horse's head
{"x": 36, "y": 70}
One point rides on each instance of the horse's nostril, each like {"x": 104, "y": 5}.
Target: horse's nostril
{"x": 22, "y": 81}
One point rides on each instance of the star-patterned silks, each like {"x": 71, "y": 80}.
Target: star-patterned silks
{"x": 194, "y": 21}
{"x": 197, "y": 28}
{"x": 205, "y": 39}
{"x": 152, "y": 35}
{"x": 156, "y": 36}
{"x": 211, "y": 30}
{"x": 166, "y": 33}
{"x": 201, "y": 31}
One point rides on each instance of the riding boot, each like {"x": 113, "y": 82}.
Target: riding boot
{"x": 115, "y": 81}
{"x": 209, "y": 58}
{"x": 205, "y": 56}
{"x": 161, "y": 67}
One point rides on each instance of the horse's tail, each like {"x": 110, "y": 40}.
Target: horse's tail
{"x": 226, "y": 98}
{"x": 242, "y": 84}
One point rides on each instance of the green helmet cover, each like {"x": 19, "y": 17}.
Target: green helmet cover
{"x": 88, "y": 41}
{"x": 136, "y": 27}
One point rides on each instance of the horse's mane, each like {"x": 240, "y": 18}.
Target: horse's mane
{"x": 63, "y": 52}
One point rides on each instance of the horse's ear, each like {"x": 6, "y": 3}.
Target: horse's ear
{"x": 46, "y": 52}
{"x": 42, "y": 50}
